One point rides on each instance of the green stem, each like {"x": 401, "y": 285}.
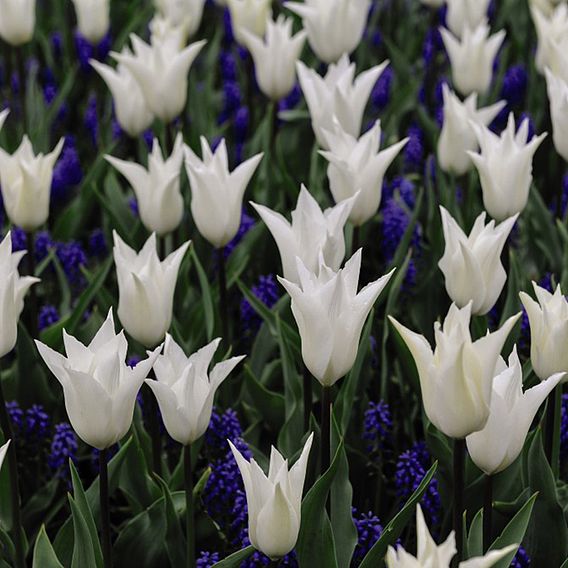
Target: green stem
{"x": 189, "y": 509}
{"x": 223, "y": 296}
{"x": 307, "y": 398}
{"x": 105, "y": 508}
{"x": 32, "y": 301}
{"x": 487, "y": 512}
{"x": 459, "y": 462}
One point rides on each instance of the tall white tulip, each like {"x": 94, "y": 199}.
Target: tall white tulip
{"x": 17, "y": 21}
{"x": 558, "y": 97}
{"x": 93, "y": 18}
{"x": 157, "y": 188}
{"x": 456, "y": 378}
{"x": 505, "y": 167}
{"x": 274, "y": 501}
{"x": 501, "y": 441}
{"x": 276, "y": 56}
{"x": 99, "y": 387}
{"x": 472, "y": 264}
{"x": 249, "y": 16}
{"x": 472, "y": 57}
{"x": 216, "y": 193}
{"x": 339, "y": 94}
{"x": 187, "y": 13}
{"x": 13, "y": 288}
{"x": 358, "y": 167}
{"x": 335, "y": 27}
{"x": 146, "y": 289}
{"x": 548, "y": 319}
{"x": 551, "y": 30}
{"x": 457, "y": 136}
{"x": 330, "y": 315}
{"x": 26, "y": 184}
{"x": 312, "y": 232}
{"x": 171, "y": 37}
{"x": 161, "y": 73}
{"x": 464, "y": 14}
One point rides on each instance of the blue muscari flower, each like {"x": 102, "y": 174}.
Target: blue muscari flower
{"x": 49, "y": 95}
{"x": 36, "y": 423}
{"x": 15, "y": 82}
{"x": 16, "y": 416}
{"x": 91, "y": 119}
{"x": 377, "y": 426}
{"x": 242, "y": 119}
{"x": 222, "y": 427}
{"x": 19, "y": 239}
{"x": 97, "y": 243}
{"x": 247, "y": 223}
{"x": 267, "y": 291}
{"x": 72, "y": 258}
{"x": 414, "y": 150}
{"x": 563, "y": 428}
{"x": 229, "y": 37}
{"x": 56, "y": 40}
{"x": 515, "y": 84}
{"x": 67, "y": 172}
{"x": 207, "y": 559}
{"x": 228, "y": 66}
{"x": 564, "y": 200}
{"x": 148, "y": 137}
{"x": 48, "y": 315}
{"x": 369, "y": 530}
{"x": 521, "y": 560}
{"x": 43, "y": 244}
{"x": 231, "y": 100}
{"x": 432, "y": 45}
{"x": 86, "y": 50}
{"x": 381, "y": 93}
{"x": 291, "y": 100}
{"x": 64, "y": 446}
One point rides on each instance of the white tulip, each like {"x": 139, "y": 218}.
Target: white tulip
{"x": 99, "y": 387}
{"x": 472, "y": 57}
{"x": 26, "y": 184}
{"x": 146, "y": 289}
{"x": 274, "y": 501}
{"x": 472, "y": 264}
{"x": 335, "y": 27}
{"x": 357, "y": 166}
{"x": 505, "y": 167}
{"x": 500, "y": 443}
{"x": 330, "y": 315}
{"x": 456, "y": 378}
{"x": 216, "y": 193}
{"x": 558, "y": 97}
{"x": 93, "y": 19}
{"x": 457, "y": 136}
{"x": 312, "y": 232}
{"x": 171, "y": 37}
{"x": 339, "y": 94}
{"x": 548, "y": 319}
{"x": 545, "y": 6}
{"x": 185, "y": 389}
{"x": 17, "y": 21}
{"x": 464, "y": 14}
{"x": 275, "y": 57}
{"x": 157, "y": 188}
{"x": 13, "y": 288}
{"x": 249, "y": 16}
{"x": 187, "y": 13}
{"x": 551, "y": 30}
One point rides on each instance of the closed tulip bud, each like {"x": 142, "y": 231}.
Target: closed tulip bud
{"x": 472, "y": 57}
{"x": 335, "y": 27}
{"x": 157, "y": 188}
{"x": 505, "y": 167}
{"x": 17, "y": 22}
{"x": 161, "y": 73}
{"x": 512, "y": 411}
{"x": 339, "y": 94}
{"x": 274, "y": 501}
{"x": 464, "y": 14}
{"x": 99, "y": 387}
{"x": 249, "y": 16}
{"x": 146, "y": 289}
{"x": 330, "y": 315}
{"x": 93, "y": 18}
{"x": 458, "y": 137}
{"x": 472, "y": 264}
{"x": 357, "y": 166}
{"x": 548, "y": 319}
{"x": 13, "y": 288}
{"x": 312, "y": 232}
{"x": 187, "y": 13}
{"x": 551, "y": 30}
{"x": 132, "y": 112}
{"x": 558, "y": 97}
{"x": 275, "y": 57}
{"x": 26, "y": 184}
{"x": 456, "y": 378}
{"x": 216, "y": 193}
{"x": 185, "y": 389}
{"x": 439, "y": 556}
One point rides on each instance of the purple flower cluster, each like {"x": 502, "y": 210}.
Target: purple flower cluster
{"x": 377, "y": 426}
{"x": 267, "y": 291}
{"x": 64, "y": 446}
{"x": 521, "y": 560}
{"x": 369, "y": 530}
{"x": 67, "y": 173}
{"x": 247, "y": 223}
{"x": 48, "y": 315}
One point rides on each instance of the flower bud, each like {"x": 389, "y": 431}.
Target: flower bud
{"x": 17, "y": 22}
{"x": 93, "y": 19}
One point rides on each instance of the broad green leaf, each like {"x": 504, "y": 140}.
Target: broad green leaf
{"x": 235, "y": 560}
{"x": 83, "y": 549}
{"x": 44, "y": 555}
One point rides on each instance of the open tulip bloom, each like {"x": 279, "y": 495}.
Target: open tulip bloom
{"x": 249, "y": 16}
{"x": 93, "y": 19}
{"x": 184, "y": 13}
{"x": 551, "y": 31}
{"x": 464, "y": 14}
{"x": 558, "y": 97}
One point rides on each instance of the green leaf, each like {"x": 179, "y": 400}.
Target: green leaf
{"x": 475, "y": 536}
{"x": 234, "y": 561}
{"x": 175, "y": 540}
{"x": 83, "y": 550}
{"x": 44, "y": 555}
{"x": 271, "y": 405}
{"x": 206, "y": 297}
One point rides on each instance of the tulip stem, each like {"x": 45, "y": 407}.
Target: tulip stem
{"x": 105, "y": 508}
{"x": 17, "y": 529}
{"x": 189, "y": 509}
{"x": 223, "y": 296}
{"x": 307, "y": 398}
{"x": 325, "y": 428}
{"x": 487, "y": 512}
{"x": 459, "y": 464}
{"x": 153, "y": 427}
{"x": 33, "y": 327}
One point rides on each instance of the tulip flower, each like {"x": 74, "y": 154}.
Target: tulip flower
{"x": 558, "y": 97}
{"x": 249, "y": 16}
{"x": 545, "y": 6}
{"x": 472, "y": 264}
{"x": 335, "y": 27}
{"x": 548, "y": 319}
{"x": 512, "y": 411}
{"x": 330, "y": 315}
{"x": 357, "y": 166}
{"x": 338, "y": 95}
{"x": 93, "y": 19}
{"x": 464, "y": 14}
{"x": 458, "y": 137}
{"x": 456, "y": 378}
{"x": 275, "y": 57}
{"x": 185, "y": 13}
{"x": 551, "y": 30}
{"x": 274, "y": 501}
{"x": 439, "y": 556}
{"x": 99, "y": 387}
{"x": 216, "y": 193}
{"x": 161, "y": 73}
{"x": 157, "y": 188}
{"x": 472, "y": 58}
{"x": 185, "y": 389}
{"x": 312, "y": 232}
{"x": 17, "y": 22}
{"x": 13, "y": 288}
{"x": 26, "y": 184}
{"x": 505, "y": 167}
{"x": 171, "y": 37}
